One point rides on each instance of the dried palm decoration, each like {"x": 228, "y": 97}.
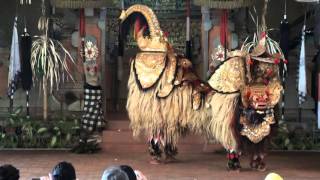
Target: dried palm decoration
{"x": 48, "y": 60}
{"x": 224, "y": 4}
{"x": 261, "y": 38}
{"x": 78, "y": 4}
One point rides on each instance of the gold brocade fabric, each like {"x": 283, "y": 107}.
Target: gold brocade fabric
{"x": 169, "y": 76}
{"x": 148, "y": 67}
{"x": 229, "y": 77}
{"x": 256, "y": 132}
{"x": 196, "y": 100}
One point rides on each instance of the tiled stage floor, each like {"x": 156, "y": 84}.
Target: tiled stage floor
{"x": 206, "y": 166}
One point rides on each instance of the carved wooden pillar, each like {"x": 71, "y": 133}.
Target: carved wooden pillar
{"x": 206, "y": 26}
{"x": 102, "y": 26}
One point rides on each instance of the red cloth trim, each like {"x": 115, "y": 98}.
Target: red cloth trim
{"x": 224, "y": 27}
{"x": 82, "y": 24}
{"x": 137, "y": 26}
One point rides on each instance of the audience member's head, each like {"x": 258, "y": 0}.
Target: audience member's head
{"x": 9, "y": 172}
{"x": 129, "y": 171}
{"x": 114, "y": 173}
{"x": 273, "y": 176}
{"x": 63, "y": 171}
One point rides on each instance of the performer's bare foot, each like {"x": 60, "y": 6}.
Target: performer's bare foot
{"x": 170, "y": 159}
{"x": 155, "y": 161}
{"x": 258, "y": 165}
{"x": 237, "y": 170}
{"x": 262, "y": 167}
{"x": 254, "y": 164}
{"x": 234, "y": 165}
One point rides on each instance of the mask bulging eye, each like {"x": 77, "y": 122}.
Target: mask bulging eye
{"x": 255, "y": 98}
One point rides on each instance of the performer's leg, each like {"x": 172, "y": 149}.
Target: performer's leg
{"x": 261, "y": 155}
{"x": 257, "y": 160}
{"x": 262, "y": 165}
{"x": 170, "y": 152}
{"x": 155, "y": 151}
{"x": 233, "y": 160}
{"x": 254, "y": 161}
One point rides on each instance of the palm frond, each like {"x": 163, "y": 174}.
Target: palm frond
{"x": 49, "y": 60}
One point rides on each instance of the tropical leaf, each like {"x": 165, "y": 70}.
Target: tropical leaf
{"x": 42, "y": 130}
{"x": 68, "y": 137}
{"x": 287, "y": 142}
{"x": 53, "y": 141}
{"x": 17, "y": 110}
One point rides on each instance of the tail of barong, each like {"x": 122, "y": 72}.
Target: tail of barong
{"x": 223, "y": 111}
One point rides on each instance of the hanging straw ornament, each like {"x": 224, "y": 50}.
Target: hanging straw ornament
{"x": 48, "y": 55}
{"x": 48, "y": 60}
{"x": 261, "y": 41}
{"x": 224, "y": 4}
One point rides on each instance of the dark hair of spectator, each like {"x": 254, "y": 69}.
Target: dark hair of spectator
{"x": 9, "y": 172}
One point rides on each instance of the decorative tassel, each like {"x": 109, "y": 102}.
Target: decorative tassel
{"x": 224, "y": 28}
{"x": 82, "y": 23}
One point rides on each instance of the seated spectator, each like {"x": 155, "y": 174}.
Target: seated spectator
{"x": 9, "y": 172}
{"x": 129, "y": 171}
{"x": 122, "y": 172}
{"x": 62, "y": 171}
{"x": 273, "y": 176}
{"x": 114, "y": 173}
